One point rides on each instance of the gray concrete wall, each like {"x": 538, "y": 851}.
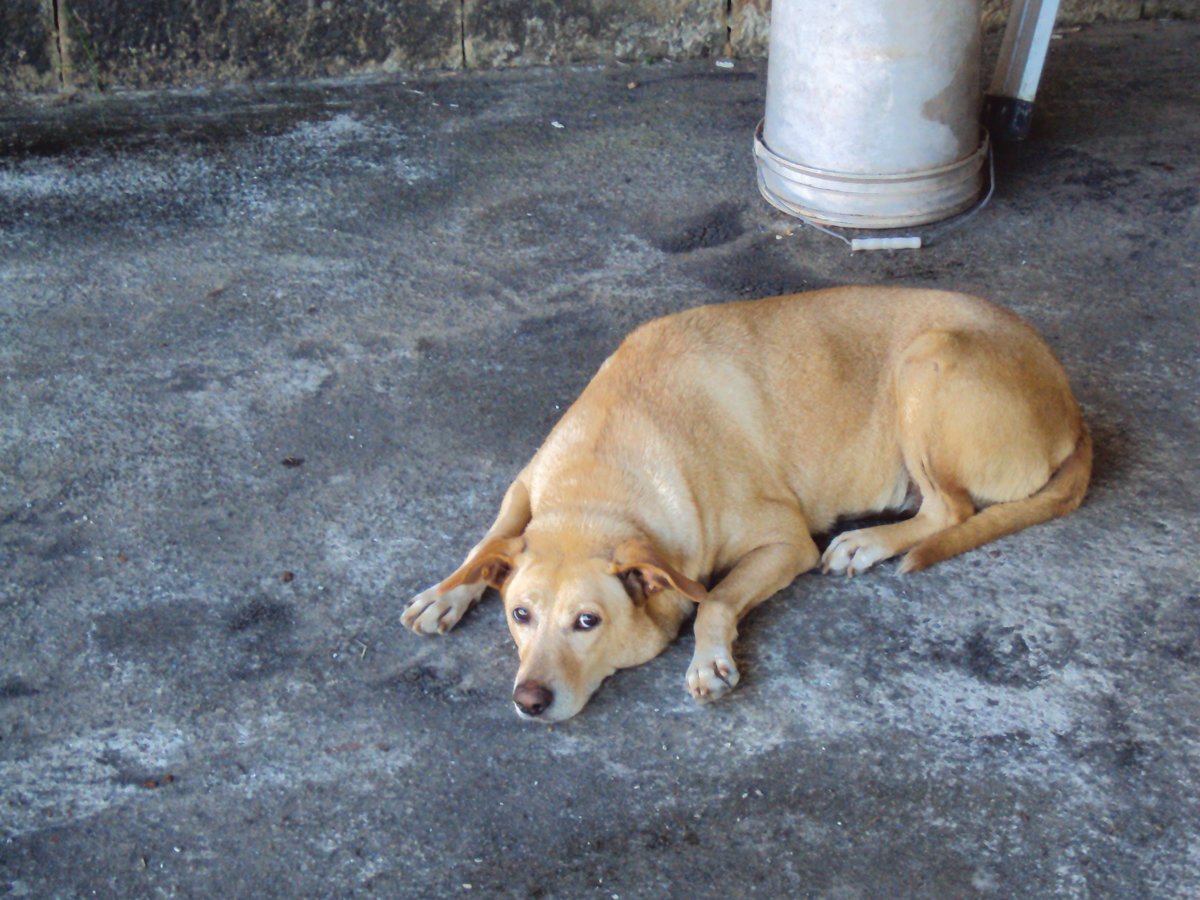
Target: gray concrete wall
{"x": 51, "y": 45}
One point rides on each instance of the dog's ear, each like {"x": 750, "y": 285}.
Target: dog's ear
{"x": 643, "y": 571}
{"x": 491, "y": 562}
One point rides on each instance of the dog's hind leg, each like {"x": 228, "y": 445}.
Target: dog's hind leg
{"x": 438, "y": 609}
{"x": 980, "y": 419}
{"x": 854, "y": 552}
{"x": 924, "y": 391}
{"x": 765, "y": 570}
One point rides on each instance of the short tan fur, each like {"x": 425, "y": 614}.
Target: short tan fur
{"x": 715, "y": 442}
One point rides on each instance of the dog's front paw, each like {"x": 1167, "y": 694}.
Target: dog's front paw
{"x": 853, "y": 552}
{"x": 431, "y": 612}
{"x": 712, "y": 674}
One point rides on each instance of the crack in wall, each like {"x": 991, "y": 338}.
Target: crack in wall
{"x": 462, "y": 31}
{"x": 59, "y": 44}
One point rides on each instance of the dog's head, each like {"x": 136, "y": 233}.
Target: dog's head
{"x": 576, "y": 616}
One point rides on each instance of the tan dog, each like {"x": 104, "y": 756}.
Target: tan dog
{"x": 714, "y": 442}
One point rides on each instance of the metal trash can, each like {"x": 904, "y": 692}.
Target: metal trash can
{"x": 872, "y": 112}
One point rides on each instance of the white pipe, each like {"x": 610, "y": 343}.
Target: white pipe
{"x": 1023, "y": 50}
{"x": 1019, "y": 68}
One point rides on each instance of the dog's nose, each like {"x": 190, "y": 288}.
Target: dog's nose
{"x": 532, "y": 698}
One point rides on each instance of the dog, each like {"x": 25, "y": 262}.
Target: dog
{"x": 694, "y": 469}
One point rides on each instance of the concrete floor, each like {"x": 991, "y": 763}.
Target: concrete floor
{"x": 204, "y": 686}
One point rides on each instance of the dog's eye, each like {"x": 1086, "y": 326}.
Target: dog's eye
{"x": 586, "y": 621}
{"x": 521, "y": 614}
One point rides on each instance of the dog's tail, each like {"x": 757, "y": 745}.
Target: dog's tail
{"x": 1060, "y": 495}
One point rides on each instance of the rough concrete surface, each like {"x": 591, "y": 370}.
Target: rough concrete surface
{"x": 507, "y": 32}
{"x": 131, "y": 43}
{"x": 28, "y": 51}
{"x": 69, "y": 45}
{"x": 270, "y": 357}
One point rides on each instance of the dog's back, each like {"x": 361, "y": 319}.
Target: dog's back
{"x": 792, "y": 396}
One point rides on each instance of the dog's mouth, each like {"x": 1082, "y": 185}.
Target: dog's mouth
{"x": 547, "y": 717}
{"x": 538, "y": 702}
{"x": 529, "y": 717}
